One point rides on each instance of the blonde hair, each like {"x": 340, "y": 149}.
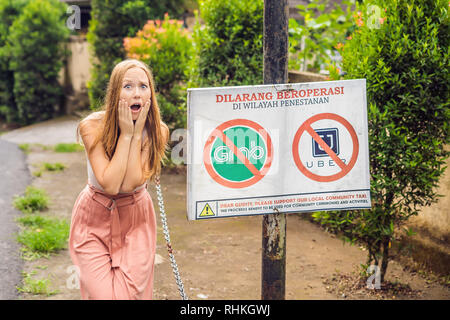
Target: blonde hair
{"x": 109, "y": 131}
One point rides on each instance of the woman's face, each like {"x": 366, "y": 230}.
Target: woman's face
{"x": 135, "y": 90}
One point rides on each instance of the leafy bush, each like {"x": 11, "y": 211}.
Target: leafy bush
{"x": 167, "y": 48}
{"x": 9, "y": 11}
{"x": 313, "y": 41}
{"x": 111, "y": 21}
{"x": 229, "y": 46}
{"x": 405, "y": 60}
{"x": 36, "y": 57}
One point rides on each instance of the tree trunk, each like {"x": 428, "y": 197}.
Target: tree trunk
{"x": 385, "y": 260}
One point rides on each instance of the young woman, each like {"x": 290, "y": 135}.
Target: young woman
{"x": 113, "y": 230}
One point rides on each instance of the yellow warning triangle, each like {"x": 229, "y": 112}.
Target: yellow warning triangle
{"x": 207, "y": 211}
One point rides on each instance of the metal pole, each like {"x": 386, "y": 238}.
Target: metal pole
{"x": 276, "y": 42}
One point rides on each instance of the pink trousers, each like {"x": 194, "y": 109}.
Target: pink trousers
{"x": 113, "y": 242}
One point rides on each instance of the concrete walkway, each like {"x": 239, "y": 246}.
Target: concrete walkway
{"x": 14, "y": 179}
{"x": 51, "y": 132}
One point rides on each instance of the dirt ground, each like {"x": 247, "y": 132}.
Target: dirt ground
{"x": 220, "y": 258}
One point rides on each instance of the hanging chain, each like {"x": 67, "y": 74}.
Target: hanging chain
{"x": 162, "y": 213}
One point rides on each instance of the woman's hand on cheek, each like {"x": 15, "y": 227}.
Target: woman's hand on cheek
{"x": 125, "y": 119}
{"x": 140, "y": 122}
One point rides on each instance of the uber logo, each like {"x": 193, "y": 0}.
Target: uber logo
{"x": 331, "y": 137}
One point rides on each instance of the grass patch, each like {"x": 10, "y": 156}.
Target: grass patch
{"x": 43, "y": 146}
{"x": 35, "y": 286}
{"x": 68, "y": 147}
{"x": 38, "y": 173}
{"x": 57, "y": 166}
{"x": 42, "y": 235}
{"x": 34, "y": 200}
{"x": 46, "y": 166}
{"x": 25, "y": 147}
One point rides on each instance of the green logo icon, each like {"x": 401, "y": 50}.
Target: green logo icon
{"x": 227, "y": 161}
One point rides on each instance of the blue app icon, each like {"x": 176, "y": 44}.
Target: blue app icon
{"x": 331, "y": 137}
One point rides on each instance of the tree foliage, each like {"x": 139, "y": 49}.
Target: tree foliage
{"x": 9, "y": 11}
{"x": 35, "y": 52}
{"x": 314, "y": 40}
{"x": 228, "y": 46}
{"x": 403, "y": 55}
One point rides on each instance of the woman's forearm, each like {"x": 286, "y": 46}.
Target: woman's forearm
{"x": 114, "y": 173}
{"x": 133, "y": 176}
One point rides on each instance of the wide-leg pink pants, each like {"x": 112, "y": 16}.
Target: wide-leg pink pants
{"x": 113, "y": 243}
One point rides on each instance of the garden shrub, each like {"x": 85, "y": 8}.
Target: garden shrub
{"x": 111, "y": 21}
{"x": 9, "y": 11}
{"x": 403, "y": 55}
{"x": 314, "y": 40}
{"x": 229, "y": 46}
{"x": 167, "y": 48}
{"x": 36, "y": 51}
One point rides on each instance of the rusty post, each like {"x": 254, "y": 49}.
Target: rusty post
{"x": 273, "y": 275}
{"x": 276, "y": 42}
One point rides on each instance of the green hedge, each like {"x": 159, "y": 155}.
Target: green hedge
{"x": 229, "y": 46}
{"x": 9, "y": 11}
{"x": 31, "y": 56}
{"x": 403, "y": 55}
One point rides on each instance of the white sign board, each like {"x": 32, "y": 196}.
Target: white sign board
{"x": 277, "y": 148}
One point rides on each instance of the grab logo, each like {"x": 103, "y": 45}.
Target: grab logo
{"x": 223, "y": 154}
{"x": 238, "y": 153}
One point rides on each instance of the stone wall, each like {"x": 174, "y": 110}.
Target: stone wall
{"x": 75, "y": 75}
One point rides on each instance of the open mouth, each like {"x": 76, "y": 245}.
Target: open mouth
{"x": 135, "y": 107}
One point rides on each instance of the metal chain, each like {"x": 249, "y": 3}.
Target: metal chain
{"x": 162, "y": 213}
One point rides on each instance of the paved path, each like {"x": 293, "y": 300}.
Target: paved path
{"x": 14, "y": 179}
{"x": 51, "y": 132}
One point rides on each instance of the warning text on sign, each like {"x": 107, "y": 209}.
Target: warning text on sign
{"x": 356, "y": 199}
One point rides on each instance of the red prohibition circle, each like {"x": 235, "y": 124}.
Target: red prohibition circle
{"x": 306, "y": 127}
{"x": 218, "y": 132}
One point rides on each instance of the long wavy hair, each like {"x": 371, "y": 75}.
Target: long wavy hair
{"x": 109, "y": 131}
